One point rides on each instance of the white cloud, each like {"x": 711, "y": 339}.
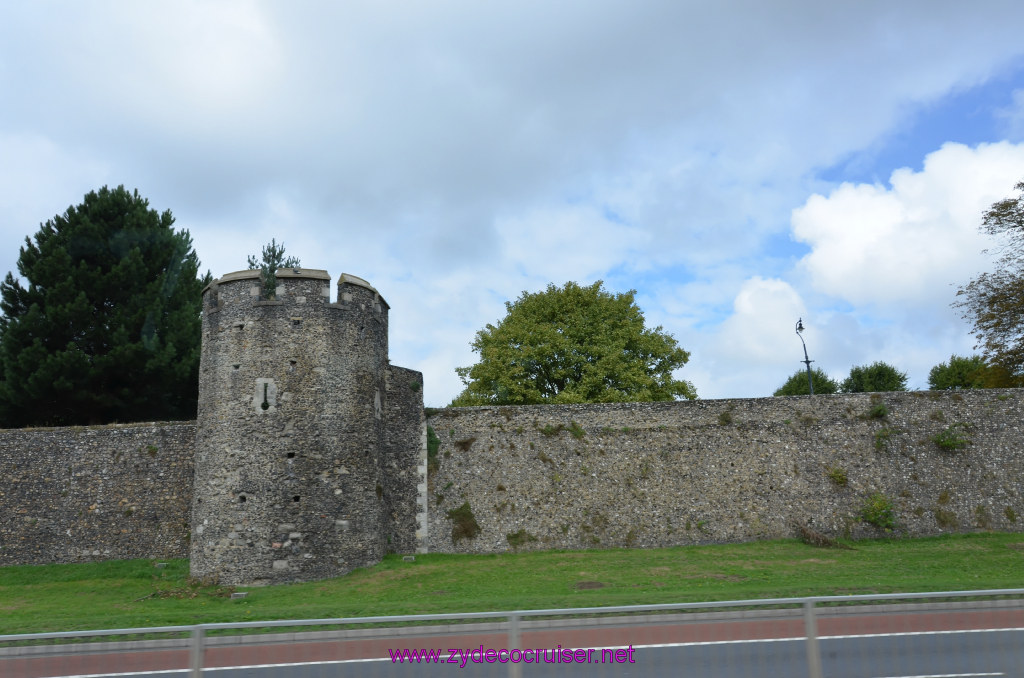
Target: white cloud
{"x": 755, "y": 349}
{"x": 570, "y": 243}
{"x": 457, "y": 153}
{"x": 905, "y": 245}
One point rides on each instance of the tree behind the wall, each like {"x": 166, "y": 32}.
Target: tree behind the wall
{"x": 877, "y": 376}
{"x": 573, "y": 344}
{"x": 797, "y": 384}
{"x": 108, "y": 326}
{"x": 994, "y": 301}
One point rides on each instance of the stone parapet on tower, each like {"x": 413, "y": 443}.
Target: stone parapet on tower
{"x": 297, "y": 476}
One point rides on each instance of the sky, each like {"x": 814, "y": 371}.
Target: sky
{"x": 739, "y": 164}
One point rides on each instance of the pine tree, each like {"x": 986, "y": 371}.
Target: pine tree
{"x": 108, "y": 327}
{"x": 272, "y": 259}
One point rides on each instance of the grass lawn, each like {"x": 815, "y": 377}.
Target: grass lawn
{"x": 125, "y": 594}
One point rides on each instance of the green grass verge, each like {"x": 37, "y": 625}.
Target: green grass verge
{"x": 126, "y": 594}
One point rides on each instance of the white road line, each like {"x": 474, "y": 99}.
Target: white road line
{"x": 617, "y": 647}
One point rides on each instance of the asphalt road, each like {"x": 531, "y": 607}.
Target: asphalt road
{"x": 947, "y": 644}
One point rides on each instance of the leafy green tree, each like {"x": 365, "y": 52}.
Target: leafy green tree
{"x": 573, "y": 344}
{"x": 972, "y": 372}
{"x": 797, "y": 384}
{"x": 108, "y": 328}
{"x": 273, "y": 258}
{"x": 959, "y": 372}
{"x": 873, "y": 378}
{"x": 994, "y": 302}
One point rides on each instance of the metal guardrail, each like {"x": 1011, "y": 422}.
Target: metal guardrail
{"x": 198, "y": 639}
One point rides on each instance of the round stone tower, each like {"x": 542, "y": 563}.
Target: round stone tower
{"x": 290, "y": 429}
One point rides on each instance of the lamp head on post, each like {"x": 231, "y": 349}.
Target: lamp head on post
{"x": 806, "y": 361}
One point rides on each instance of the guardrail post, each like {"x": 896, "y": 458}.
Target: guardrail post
{"x": 196, "y": 652}
{"x": 811, "y": 631}
{"x": 514, "y": 670}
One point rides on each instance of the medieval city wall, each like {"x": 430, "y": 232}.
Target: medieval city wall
{"x": 573, "y": 476}
{"x": 95, "y": 493}
{"x": 660, "y": 474}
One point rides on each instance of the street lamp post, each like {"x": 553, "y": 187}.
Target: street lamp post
{"x": 806, "y": 361}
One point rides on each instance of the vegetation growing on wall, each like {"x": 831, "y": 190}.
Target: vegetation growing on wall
{"x": 878, "y": 510}
{"x": 272, "y": 259}
{"x": 433, "y": 444}
{"x": 464, "y": 525}
{"x": 837, "y": 475}
{"x": 520, "y": 538}
{"x": 878, "y": 410}
{"x": 953, "y": 437}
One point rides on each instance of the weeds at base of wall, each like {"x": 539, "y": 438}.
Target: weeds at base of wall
{"x": 1010, "y": 514}
{"x": 814, "y": 538}
{"x": 982, "y": 518}
{"x": 194, "y": 587}
{"x": 520, "y": 538}
{"x": 878, "y": 510}
{"x": 946, "y": 519}
{"x": 464, "y": 525}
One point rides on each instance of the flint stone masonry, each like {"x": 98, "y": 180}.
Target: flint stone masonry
{"x": 661, "y": 474}
{"x": 308, "y": 442}
{"x": 95, "y": 493}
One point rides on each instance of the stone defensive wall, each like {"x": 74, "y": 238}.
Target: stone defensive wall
{"x": 568, "y": 476}
{"x": 95, "y": 493}
{"x": 660, "y": 474}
